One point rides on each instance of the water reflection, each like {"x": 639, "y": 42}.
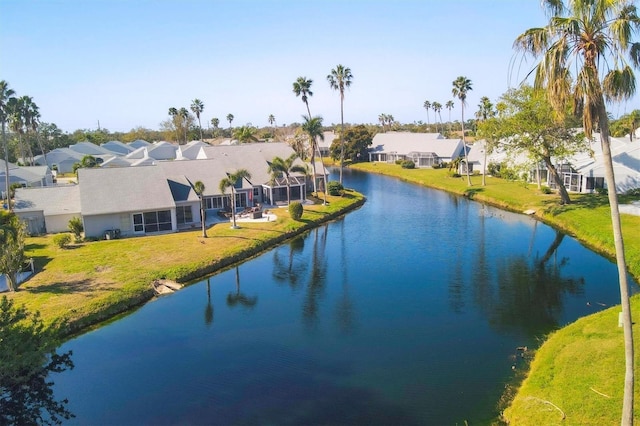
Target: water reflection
{"x": 317, "y": 277}
{"x": 345, "y": 308}
{"x": 239, "y": 298}
{"x": 291, "y": 270}
{"x": 208, "y": 310}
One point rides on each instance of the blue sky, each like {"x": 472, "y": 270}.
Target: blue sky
{"x": 126, "y": 62}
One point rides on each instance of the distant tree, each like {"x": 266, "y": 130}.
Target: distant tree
{"x": 12, "y": 236}
{"x": 437, "y": 107}
{"x": 198, "y": 188}
{"x": 279, "y": 167}
{"x": 244, "y": 134}
{"x": 27, "y": 356}
{"x": 461, "y": 86}
{"x": 339, "y": 78}
{"x": 427, "y": 106}
{"x": 231, "y": 181}
{"x": 87, "y": 162}
{"x": 449, "y": 105}
{"x": 186, "y": 118}
{"x": 197, "y": 106}
{"x": 230, "y": 118}
{"x": 173, "y": 112}
{"x": 215, "y": 122}
{"x": 302, "y": 87}
{"x": 357, "y": 140}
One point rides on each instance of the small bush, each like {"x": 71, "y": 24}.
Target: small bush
{"x": 334, "y": 187}
{"x": 602, "y": 191}
{"x": 295, "y": 210}
{"x": 408, "y": 164}
{"x": 454, "y": 174}
{"x": 546, "y": 190}
{"x": 62, "y": 240}
{"x": 76, "y": 227}
{"x": 399, "y": 162}
{"x": 635, "y": 192}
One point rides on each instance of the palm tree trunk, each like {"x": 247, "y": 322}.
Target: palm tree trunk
{"x": 627, "y": 402}
{"x": 203, "y": 217}
{"x": 233, "y": 208}
{"x": 484, "y": 164}
{"x": 464, "y": 146}
{"x": 6, "y": 164}
{"x": 341, "y": 135}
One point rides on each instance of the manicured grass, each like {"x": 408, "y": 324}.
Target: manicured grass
{"x": 578, "y": 372}
{"x": 94, "y": 281}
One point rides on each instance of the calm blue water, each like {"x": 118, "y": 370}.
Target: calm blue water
{"x": 407, "y": 311}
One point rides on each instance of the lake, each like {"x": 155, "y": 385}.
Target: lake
{"x": 414, "y": 309}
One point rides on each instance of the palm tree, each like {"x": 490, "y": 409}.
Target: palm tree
{"x": 173, "y": 112}
{"x": 437, "y": 107}
{"x": 313, "y": 128}
{"x": 245, "y": 134}
{"x": 449, "y": 105}
{"x": 278, "y": 167}
{"x": 593, "y": 38}
{"x": 340, "y": 78}
{"x": 16, "y": 122}
{"x": 427, "y": 106}
{"x": 197, "y": 106}
{"x": 302, "y": 87}
{"x": 6, "y": 94}
{"x": 461, "y": 86}
{"x": 230, "y": 118}
{"x": 382, "y": 118}
{"x": 485, "y": 111}
{"x": 230, "y": 182}
{"x": 198, "y": 188}
{"x": 184, "y": 114}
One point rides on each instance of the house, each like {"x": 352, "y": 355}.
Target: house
{"x": 190, "y": 150}
{"x": 424, "y": 149}
{"x": 138, "y": 143}
{"x": 117, "y": 148}
{"x": 47, "y": 209}
{"x": 26, "y": 176}
{"x": 60, "y": 159}
{"x": 324, "y": 145}
{"x": 157, "y": 151}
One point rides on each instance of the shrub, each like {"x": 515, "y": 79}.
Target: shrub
{"x": 408, "y": 164}
{"x": 399, "y": 162}
{"x": 62, "y": 240}
{"x": 454, "y": 174}
{"x": 546, "y": 190}
{"x": 602, "y": 191}
{"x": 76, "y": 227}
{"x": 635, "y": 192}
{"x": 334, "y": 187}
{"x": 295, "y": 210}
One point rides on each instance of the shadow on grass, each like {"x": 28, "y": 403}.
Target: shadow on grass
{"x": 68, "y": 287}
{"x": 586, "y": 201}
{"x": 471, "y": 192}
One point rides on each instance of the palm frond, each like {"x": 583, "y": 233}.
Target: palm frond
{"x": 619, "y": 84}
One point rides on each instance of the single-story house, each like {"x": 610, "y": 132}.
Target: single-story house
{"x": 424, "y": 149}
{"x": 117, "y": 147}
{"x": 47, "y": 209}
{"x": 26, "y": 176}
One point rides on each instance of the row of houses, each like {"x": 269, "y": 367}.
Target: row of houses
{"x": 160, "y": 197}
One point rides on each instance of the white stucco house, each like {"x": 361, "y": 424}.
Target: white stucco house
{"x": 424, "y": 149}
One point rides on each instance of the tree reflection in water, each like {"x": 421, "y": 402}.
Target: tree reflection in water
{"x": 290, "y": 271}
{"x": 208, "y": 310}
{"x": 317, "y": 280}
{"x": 345, "y": 307}
{"x": 239, "y": 298}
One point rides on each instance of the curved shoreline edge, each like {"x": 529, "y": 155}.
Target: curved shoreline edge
{"x": 70, "y": 328}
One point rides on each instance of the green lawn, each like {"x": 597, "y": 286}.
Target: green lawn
{"x": 578, "y": 373}
{"x": 88, "y": 283}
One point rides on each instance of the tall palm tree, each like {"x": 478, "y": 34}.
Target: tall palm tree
{"x": 173, "y": 112}
{"x": 593, "y": 38}
{"x": 437, "y": 107}
{"x": 279, "y": 167}
{"x": 302, "y": 87}
{"x": 5, "y": 95}
{"x": 16, "y": 122}
{"x": 313, "y": 128}
{"x": 30, "y": 115}
{"x": 340, "y": 78}
{"x": 382, "y": 118}
{"x": 449, "y": 105}
{"x": 427, "y": 106}
{"x": 230, "y": 118}
{"x": 197, "y": 106}
{"x": 461, "y": 86}
{"x": 198, "y": 188}
{"x": 231, "y": 181}
{"x": 485, "y": 111}
{"x": 184, "y": 115}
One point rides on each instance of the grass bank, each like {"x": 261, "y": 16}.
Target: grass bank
{"x": 85, "y": 284}
{"x": 577, "y": 375}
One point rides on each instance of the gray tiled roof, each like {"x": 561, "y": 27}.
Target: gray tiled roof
{"x": 52, "y": 200}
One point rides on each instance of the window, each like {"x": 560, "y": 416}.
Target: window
{"x": 152, "y": 221}
{"x": 214, "y": 202}
{"x": 184, "y": 214}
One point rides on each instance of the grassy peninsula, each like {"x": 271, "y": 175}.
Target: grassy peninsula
{"x": 577, "y": 375}
{"x": 87, "y": 283}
